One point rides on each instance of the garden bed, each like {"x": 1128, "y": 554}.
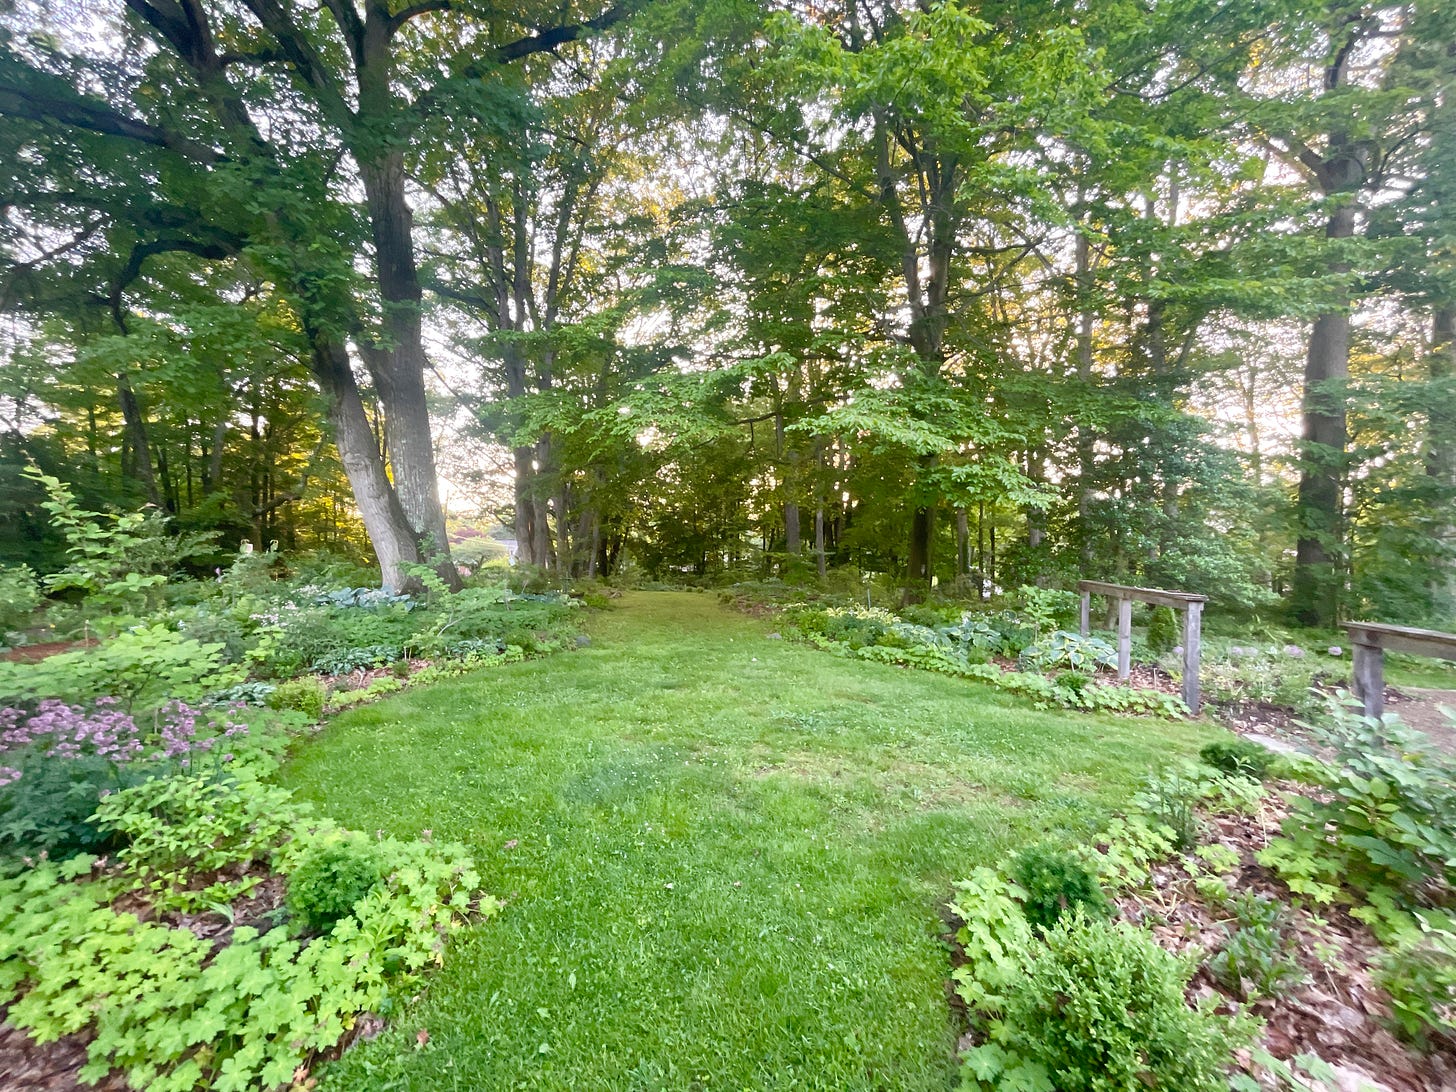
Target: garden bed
{"x": 1302, "y": 929}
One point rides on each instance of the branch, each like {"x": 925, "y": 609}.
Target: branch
{"x": 414, "y": 11}
{"x": 216, "y": 249}
{"x": 543, "y": 40}
{"x": 96, "y": 117}
{"x": 347, "y": 16}
{"x": 297, "y": 492}
{"x": 299, "y": 52}
{"x": 551, "y": 37}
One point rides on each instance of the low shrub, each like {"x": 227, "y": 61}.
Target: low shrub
{"x": 174, "y": 1012}
{"x": 1419, "y": 974}
{"x": 330, "y": 881}
{"x": 1170, "y": 801}
{"x": 140, "y": 668}
{"x": 1388, "y": 820}
{"x": 1065, "y": 649}
{"x": 1057, "y": 884}
{"x": 1047, "y": 608}
{"x": 1163, "y": 634}
{"x": 347, "y": 661}
{"x": 172, "y": 828}
{"x": 19, "y": 598}
{"x": 306, "y": 695}
{"x": 60, "y": 760}
{"x": 1240, "y": 757}
{"x": 1100, "y": 1008}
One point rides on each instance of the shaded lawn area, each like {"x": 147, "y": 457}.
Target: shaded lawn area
{"x": 724, "y": 855}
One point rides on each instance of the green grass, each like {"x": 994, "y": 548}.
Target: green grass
{"x": 723, "y": 856}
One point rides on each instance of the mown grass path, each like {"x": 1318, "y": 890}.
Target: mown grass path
{"x": 724, "y": 855}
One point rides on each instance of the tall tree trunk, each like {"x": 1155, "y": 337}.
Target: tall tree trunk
{"x": 922, "y": 528}
{"x": 820, "y": 561}
{"x": 541, "y": 550}
{"x": 1441, "y": 455}
{"x": 963, "y": 541}
{"x": 1315, "y": 593}
{"x": 384, "y": 519}
{"x": 399, "y": 368}
{"x": 136, "y": 430}
{"x": 212, "y": 468}
{"x": 1086, "y": 452}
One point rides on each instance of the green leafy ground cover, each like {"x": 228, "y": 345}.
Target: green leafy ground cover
{"x": 723, "y": 856}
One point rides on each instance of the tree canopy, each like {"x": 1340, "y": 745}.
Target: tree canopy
{"x": 981, "y": 294}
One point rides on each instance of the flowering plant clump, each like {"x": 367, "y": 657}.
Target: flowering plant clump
{"x": 174, "y": 733}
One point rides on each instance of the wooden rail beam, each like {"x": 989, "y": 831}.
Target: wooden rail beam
{"x": 1371, "y": 640}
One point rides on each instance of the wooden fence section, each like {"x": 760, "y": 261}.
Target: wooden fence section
{"x": 1370, "y": 641}
{"x": 1124, "y": 595}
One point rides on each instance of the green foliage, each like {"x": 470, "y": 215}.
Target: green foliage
{"x": 330, "y": 880}
{"x": 961, "y": 650}
{"x": 347, "y": 699}
{"x": 1048, "y": 609}
{"x": 49, "y": 805}
{"x": 19, "y": 597}
{"x": 1100, "y": 1008}
{"x": 1125, "y": 851}
{"x": 1389, "y": 820}
{"x": 117, "y": 562}
{"x": 1163, "y": 633}
{"x": 306, "y": 695}
{"x": 175, "y": 1014}
{"x": 1419, "y": 974}
{"x": 346, "y": 661}
{"x": 1170, "y": 801}
{"x": 1258, "y": 958}
{"x": 1057, "y": 885}
{"x": 994, "y": 936}
{"x": 1239, "y": 757}
{"x": 1065, "y": 649}
{"x": 1280, "y": 675}
{"x": 173, "y": 828}
{"x": 143, "y": 667}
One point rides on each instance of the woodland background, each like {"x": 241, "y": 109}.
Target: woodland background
{"x": 980, "y": 294}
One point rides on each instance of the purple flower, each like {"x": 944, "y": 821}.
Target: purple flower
{"x": 56, "y": 730}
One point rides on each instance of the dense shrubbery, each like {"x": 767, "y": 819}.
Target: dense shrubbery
{"x": 155, "y": 746}
{"x": 174, "y": 1013}
{"x": 963, "y": 646}
{"x": 59, "y": 760}
{"x": 1387, "y": 823}
{"x": 1083, "y": 1005}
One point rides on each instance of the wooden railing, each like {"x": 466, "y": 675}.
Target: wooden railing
{"x": 1370, "y": 640}
{"x": 1124, "y": 595}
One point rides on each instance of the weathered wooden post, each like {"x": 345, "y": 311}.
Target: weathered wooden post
{"x": 1370, "y": 641}
{"x": 1124, "y": 638}
{"x": 1123, "y": 595}
{"x": 1192, "y": 648}
{"x": 1368, "y": 676}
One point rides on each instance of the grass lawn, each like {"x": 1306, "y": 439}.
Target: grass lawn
{"x": 723, "y": 855}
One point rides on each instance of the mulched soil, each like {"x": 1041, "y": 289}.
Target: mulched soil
{"x": 27, "y": 1067}
{"x": 1337, "y": 1014}
{"x": 35, "y": 653}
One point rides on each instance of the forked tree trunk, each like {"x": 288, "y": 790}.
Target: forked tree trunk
{"x": 384, "y": 519}
{"x": 399, "y": 368}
